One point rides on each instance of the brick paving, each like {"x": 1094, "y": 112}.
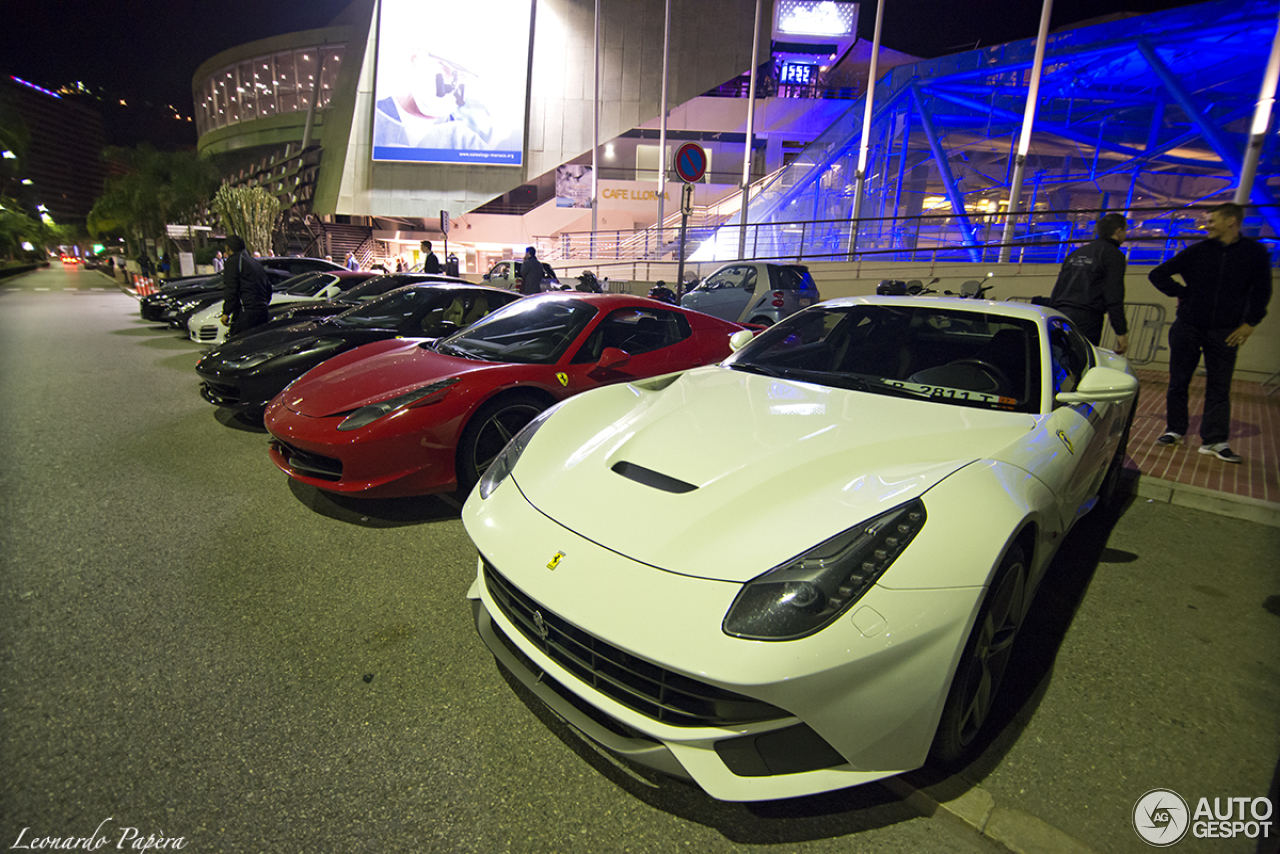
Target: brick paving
{"x": 1255, "y": 435}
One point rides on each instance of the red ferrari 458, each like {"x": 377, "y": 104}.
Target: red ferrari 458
{"x": 412, "y": 417}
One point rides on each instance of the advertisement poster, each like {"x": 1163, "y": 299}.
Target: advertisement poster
{"x": 573, "y": 186}
{"x": 447, "y": 90}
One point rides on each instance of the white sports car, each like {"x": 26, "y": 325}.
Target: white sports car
{"x": 804, "y": 568}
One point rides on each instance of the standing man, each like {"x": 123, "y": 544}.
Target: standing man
{"x": 430, "y": 263}
{"x": 1090, "y": 286}
{"x": 530, "y": 272}
{"x": 1227, "y": 287}
{"x": 246, "y": 293}
{"x": 351, "y": 262}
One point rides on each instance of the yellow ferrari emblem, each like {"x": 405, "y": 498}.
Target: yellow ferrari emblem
{"x": 555, "y": 561}
{"x": 563, "y": 377}
{"x": 1066, "y": 440}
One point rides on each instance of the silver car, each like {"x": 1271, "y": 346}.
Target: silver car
{"x": 754, "y": 292}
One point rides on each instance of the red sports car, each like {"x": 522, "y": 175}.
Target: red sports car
{"x": 413, "y": 417}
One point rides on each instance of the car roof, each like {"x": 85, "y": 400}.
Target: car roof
{"x": 1022, "y": 310}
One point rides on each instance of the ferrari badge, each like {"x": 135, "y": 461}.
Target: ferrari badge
{"x": 555, "y": 561}
{"x": 563, "y": 377}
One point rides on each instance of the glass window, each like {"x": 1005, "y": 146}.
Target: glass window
{"x": 536, "y": 331}
{"x": 634, "y": 331}
{"x": 306, "y": 62}
{"x": 967, "y": 358}
{"x": 246, "y": 92}
{"x": 1069, "y": 353}
{"x": 268, "y": 85}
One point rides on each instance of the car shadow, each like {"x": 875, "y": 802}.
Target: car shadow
{"x": 244, "y": 422}
{"x": 784, "y": 821}
{"x": 376, "y": 512}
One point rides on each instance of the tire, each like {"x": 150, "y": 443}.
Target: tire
{"x": 761, "y": 321}
{"x": 983, "y": 662}
{"x": 488, "y": 432}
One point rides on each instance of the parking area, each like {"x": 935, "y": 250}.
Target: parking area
{"x": 193, "y": 646}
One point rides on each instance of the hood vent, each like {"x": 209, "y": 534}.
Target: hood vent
{"x": 649, "y": 477}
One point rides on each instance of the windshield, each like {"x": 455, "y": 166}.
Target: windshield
{"x": 389, "y": 310}
{"x": 534, "y": 331}
{"x": 308, "y": 284}
{"x": 377, "y": 286}
{"x": 966, "y": 358}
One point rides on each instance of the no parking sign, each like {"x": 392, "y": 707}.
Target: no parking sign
{"x": 691, "y": 162}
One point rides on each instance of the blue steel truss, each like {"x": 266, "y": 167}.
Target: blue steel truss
{"x": 1144, "y": 112}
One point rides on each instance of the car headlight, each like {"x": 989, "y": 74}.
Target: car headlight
{"x": 498, "y": 470}
{"x": 809, "y": 592}
{"x": 366, "y": 415}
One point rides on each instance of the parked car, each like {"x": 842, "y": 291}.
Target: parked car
{"x": 506, "y": 274}
{"x": 206, "y": 325}
{"x": 754, "y": 292}
{"x": 816, "y": 555}
{"x": 406, "y": 417}
{"x": 158, "y": 306}
{"x": 372, "y": 288}
{"x": 245, "y": 373}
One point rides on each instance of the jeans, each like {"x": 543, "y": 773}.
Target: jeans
{"x": 1186, "y": 344}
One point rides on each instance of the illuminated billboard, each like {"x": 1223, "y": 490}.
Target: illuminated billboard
{"x": 451, "y": 81}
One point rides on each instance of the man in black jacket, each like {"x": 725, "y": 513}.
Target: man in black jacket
{"x": 530, "y": 272}
{"x": 1228, "y": 286}
{"x": 1090, "y": 286}
{"x": 246, "y": 292}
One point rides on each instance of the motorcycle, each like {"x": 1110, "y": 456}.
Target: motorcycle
{"x": 588, "y": 283}
{"x": 662, "y": 293}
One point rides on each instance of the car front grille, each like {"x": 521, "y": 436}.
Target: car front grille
{"x": 654, "y": 691}
{"x": 312, "y": 465}
{"x": 207, "y": 333}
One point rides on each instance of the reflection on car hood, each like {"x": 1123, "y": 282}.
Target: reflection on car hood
{"x": 372, "y": 373}
{"x": 768, "y": 467}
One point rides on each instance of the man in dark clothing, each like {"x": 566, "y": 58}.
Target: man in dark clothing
{"x": 430, "y": 263}
{"x": 1228, "y": 286}
{"x": 1090, "y": 286}
{"x": 246, "y": 293}
{"x": 530, "y": 272}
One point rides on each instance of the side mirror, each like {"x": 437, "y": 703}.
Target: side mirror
{"x": 740, "y": 339}
{"x": 1101, "y": 385}
{"x": 613, "y": 358}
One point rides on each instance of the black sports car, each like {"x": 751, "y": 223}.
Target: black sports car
{"x": 246, "y": 372}
{"x": 369, "y": 289}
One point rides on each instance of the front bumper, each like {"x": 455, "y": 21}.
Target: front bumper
{"x": 856, "y": 702}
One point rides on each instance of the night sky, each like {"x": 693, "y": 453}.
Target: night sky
{"x": 149, "y": 51}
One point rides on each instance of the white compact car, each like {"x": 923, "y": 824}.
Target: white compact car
{"x": 804, "y": 568}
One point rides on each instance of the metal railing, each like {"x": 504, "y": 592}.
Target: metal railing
{"x": 1146, "y": 331}
{"x": 1040, "y": 237}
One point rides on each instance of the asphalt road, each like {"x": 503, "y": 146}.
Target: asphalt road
{"x": 191, "y": 646}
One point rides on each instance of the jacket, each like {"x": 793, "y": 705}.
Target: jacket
{"x": 1226, "y": 285}
{"x": 244, "y": 285}
{"x": 1092, "y": 278}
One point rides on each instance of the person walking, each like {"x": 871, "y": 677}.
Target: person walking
{"x": 1090, "y": 286}
{"x": 246, "y": 293}
{"x": 530, "y": 272}
{"x": 1226, "y": 285}
{"x": 351, "y": 262}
